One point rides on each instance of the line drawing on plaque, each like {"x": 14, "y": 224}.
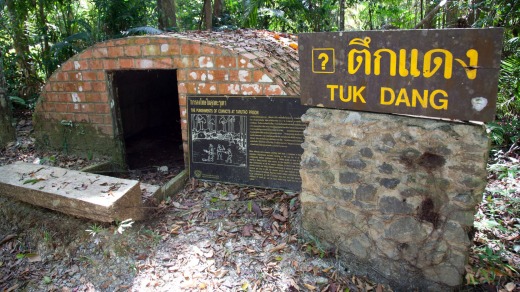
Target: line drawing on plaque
{"x": 219, "y": 139}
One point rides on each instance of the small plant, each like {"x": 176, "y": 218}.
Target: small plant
{"x": 47, "y": 280}
{"x": 95, "y": 230}
{"x": 47, "y": 237}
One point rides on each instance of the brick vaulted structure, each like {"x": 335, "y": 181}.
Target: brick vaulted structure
{"x": 77, "y": 110}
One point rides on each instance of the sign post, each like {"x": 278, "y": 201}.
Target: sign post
{"x": 451, "y": 73}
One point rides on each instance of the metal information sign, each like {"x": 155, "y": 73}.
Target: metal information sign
{"x": 246, "y": 140}
{"x": 450, "y": 73}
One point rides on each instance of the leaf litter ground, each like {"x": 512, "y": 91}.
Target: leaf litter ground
{"x": 214, "y": 237}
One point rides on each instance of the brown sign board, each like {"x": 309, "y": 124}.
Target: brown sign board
{"x": 250, "y": 140}
{"x": 450, "y": 73}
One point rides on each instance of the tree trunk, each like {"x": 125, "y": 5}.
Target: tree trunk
{"x": 429, "y": 20}
{"x": 7, "y": 132}
{"x": 42, "y": 22}
{"x": 341, "y": 15}
{"x": 217, "y": 8}
{"x": 167, "y": 17}
{"x": 21, "y": 47}
{"x": 208, "y": 15}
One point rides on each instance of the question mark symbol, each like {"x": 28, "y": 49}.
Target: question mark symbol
{"x": 325, "y": 58}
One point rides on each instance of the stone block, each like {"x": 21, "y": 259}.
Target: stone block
{"x": 92, "y": 196}
{"x": 410, "y": 185}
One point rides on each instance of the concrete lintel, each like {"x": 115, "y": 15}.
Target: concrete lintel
{"x": 93, "y": 196}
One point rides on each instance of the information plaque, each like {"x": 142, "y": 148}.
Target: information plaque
{"x": 251, "y": 140}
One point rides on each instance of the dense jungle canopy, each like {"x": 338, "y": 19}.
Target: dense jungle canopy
{"x": 38, "y": 35}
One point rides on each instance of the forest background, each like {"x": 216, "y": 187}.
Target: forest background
{"x": 36, "y": 36}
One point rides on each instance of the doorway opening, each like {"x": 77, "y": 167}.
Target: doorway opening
{"x": 148, "y": 123}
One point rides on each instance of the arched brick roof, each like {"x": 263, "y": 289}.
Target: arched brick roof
{"x": 243, "y": 62}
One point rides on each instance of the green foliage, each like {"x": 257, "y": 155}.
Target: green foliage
{"x": 95, "y": 230}
{"x": 494, "y": 255}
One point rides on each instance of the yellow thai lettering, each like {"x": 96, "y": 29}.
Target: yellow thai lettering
{"x": 392, "y": 62}
{"x": 471, "y": 68}
{"x": 428, "y": 71}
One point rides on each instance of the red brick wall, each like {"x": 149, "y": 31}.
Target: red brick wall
{"x": 79, "y": 90}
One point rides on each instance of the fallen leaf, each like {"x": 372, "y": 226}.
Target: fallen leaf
{"x": 310, "y": 287}
{"x": 279, "y": 217}
{"x": 510, "y": 286}
{"x": 278, "y": 247}
{"x": 246, "y": 230}
{"x": 7, "y": 238}
{"x": 32, "y": 257}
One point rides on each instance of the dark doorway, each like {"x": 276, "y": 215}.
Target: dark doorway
{"x": 148, "y": 122}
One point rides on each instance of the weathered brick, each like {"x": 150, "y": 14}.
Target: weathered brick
{"x": 273, "y": 90}
{"x": 132, "y": 51}
{"x": 103, "y": 96}
{"x": 126, "y": 63}
{"x": 115, "y": 52}
{"x": 100, "y": 53}
{"x": 190, "y": 48}
{"x": 182, "y": 62}
{"x": 261, "y": 76}
{"x": 84, "y": 86}
{"x": 87, "y": 108}
{"x": 87, "y": 54}
{"x": 210, "y": 50}
{"x": 96, "y": 119}
{"x": 88, "y": 75}
{"x": 218, "y": 75}
{"x": 68, "y": 86}
{"x": 170, "y": 49}
{"x": 163, "y": 63}
{"x": 151, "y": 50}
{"x": 187, "y": 87}
{"x": 62, "y": 76}
{"x": 240, "y": 75}
{"x": 61, "y": 107}
{"x": 101, "y": 75}
{"x": 244, "y": 63}
{"x": 207, "y": 88}
{"x": 81, "y": 118}
{"x": 93, "y": 97}
{"x": 95, "y": 64}
{"x": 182, "y": 99}
{"x": 227, "y": 88}
{"x": 67, "y": 66}
{"x": 102, "y": 108}
{"x": 74, "y": 107}
{"x": 142, "y": 40}
{"x": 204, "y": 62}
{"x": 99, "y": 86}
{"x": 182, "y": 75}
{"x": 226, "y": 62}
{"x": 144, "y": 63}
{"x": 81, "y": 65}
{"x": 251, "y": 89}
{"x": 111, "y": 64}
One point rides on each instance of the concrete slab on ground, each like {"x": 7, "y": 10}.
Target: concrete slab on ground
{"x": 93, "y": 196}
